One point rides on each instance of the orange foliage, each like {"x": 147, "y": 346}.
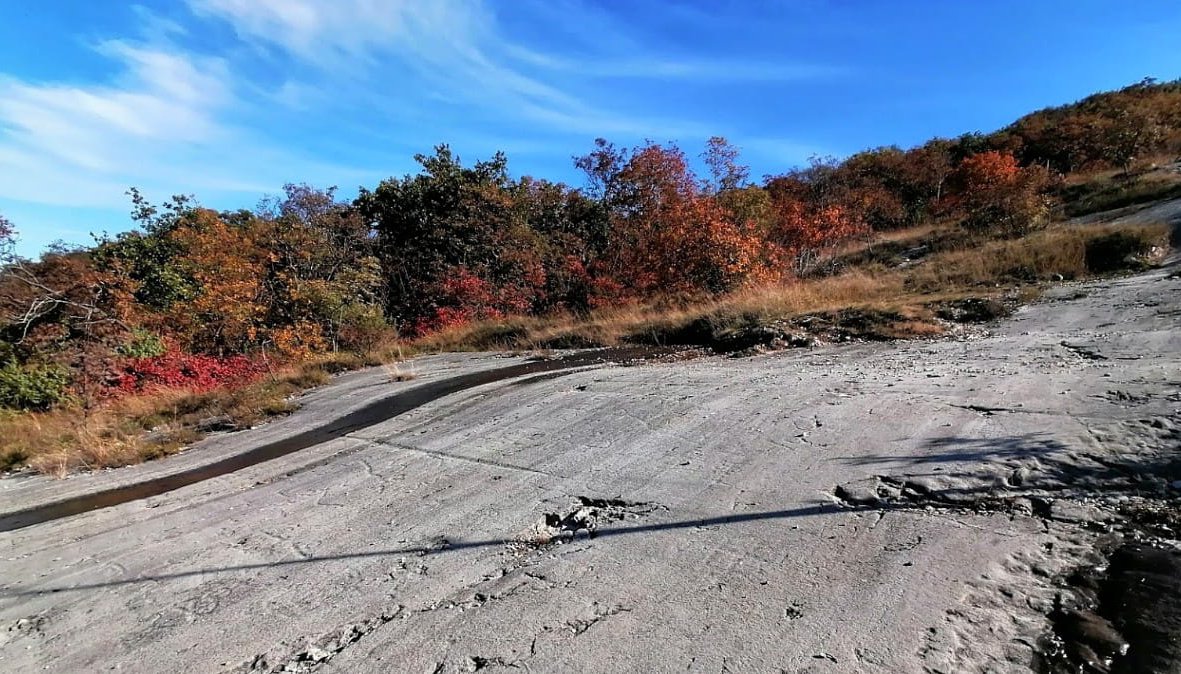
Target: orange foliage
{"x": 803, "y": 228}
{"x": 227, "y": 266}
{"x": 299, "y": 341}
{"x": 998, "y": 194}
{"x": 989, "y": 171}
{"x": 670, "y": 237}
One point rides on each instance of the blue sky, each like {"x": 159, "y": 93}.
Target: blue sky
{"x": 230, "y": 99}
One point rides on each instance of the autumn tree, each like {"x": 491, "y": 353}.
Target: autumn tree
{"x": 803, "y": 227}
{"x": 322, "y": 281}
{"x": 1128, "y": 134}
{"x": 813, "y": 210}
{"x": 1113, "y": 128}
{"x": 667, "y": 234}
{"x": 564, "y": 230}
{"x": 147, "y": 255}
{"x": 60, "y": 322}
{"x": 429, "y": 224}
{"x": 998, "y": 195}
{"x": 225, "y": 313}
{"x": 726, "y": 173}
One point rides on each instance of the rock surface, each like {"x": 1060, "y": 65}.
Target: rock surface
{"x": 897, "y": 507}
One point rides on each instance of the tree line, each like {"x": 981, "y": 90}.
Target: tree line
{"x": 308, "y": 272}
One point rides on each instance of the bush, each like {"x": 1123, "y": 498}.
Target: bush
{"x": 183, "y": 370}
{"x": 1001, "y": 197}
{"x": 363, "y": 328}
{"x": 33, "y": 387}
{"x": 1114, "y": 251}
{"x": 143, "y": 344}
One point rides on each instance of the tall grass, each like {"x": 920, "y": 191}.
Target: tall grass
{"x": 1111, "y": 190}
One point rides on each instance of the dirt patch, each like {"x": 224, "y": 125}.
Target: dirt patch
{"x": 749, "y": 335}
{"x": 727, "y": 336}
{"x": 584, "y": 517}
{"x": 571, "y": 341}
{"x": 972, "y": 310}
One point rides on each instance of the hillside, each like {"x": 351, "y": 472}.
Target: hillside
{"x": 198, "y": 320}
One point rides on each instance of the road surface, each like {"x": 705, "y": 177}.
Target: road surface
{"x": 898, "y": 507}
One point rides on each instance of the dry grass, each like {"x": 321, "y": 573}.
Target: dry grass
{"x": 1062, "y": 252}
{"x": 1112, "y": 190}
{"x": 906, "y": 236}
{"x": 151, "y": 425}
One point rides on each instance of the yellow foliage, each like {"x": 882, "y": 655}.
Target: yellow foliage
{"x": 299, "y": 341}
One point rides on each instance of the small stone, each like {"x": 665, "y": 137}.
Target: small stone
{"x": 215, "y": 424}
{"x": 857, "y": 495}
{"x": 1019, "y": 476}
{"x": 316, "y": 654}
{"x": 1068, "y": 511}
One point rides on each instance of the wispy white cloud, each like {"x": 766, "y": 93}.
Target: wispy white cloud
{"x": 463, "y": 55}
{"x": 62, "y": 141}
{"x": 320, "y": 90}
{"x": 163, "y": 121}
{"x": 156, "y": 28}
{"x": 666, "y": 68}
{"x": 445, "y": 42}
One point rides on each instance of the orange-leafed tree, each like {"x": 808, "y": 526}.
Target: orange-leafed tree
{"x": 998, "y": 195}
{"x": 667, "y": 235}
{"x": 225, "y": 263}
{"x": 61, "y": 312}
{"x": 805, "y": 222}
{"x": 322, "y": 280}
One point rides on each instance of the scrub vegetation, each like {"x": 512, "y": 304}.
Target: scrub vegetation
{"x": 199, "y": 320}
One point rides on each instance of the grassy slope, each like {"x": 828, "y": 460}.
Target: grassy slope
{"x": 1109, "y": 190}
{"x": 875, "y": 293}
{"x": 152, "y": 425}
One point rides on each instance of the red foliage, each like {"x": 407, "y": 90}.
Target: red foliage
{"x": 802, "y": 228}
{"x": 185, "y": 370}
{"x": 669, "y": 237}
{"x": 463, "y": 297}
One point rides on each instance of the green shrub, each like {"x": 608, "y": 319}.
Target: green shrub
{"x": 362, "y": 327}
{"x": 33, "y": 387}
{"x": 143, "y": 344}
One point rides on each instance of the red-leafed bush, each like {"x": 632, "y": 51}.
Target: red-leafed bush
{"x": 462, "y": 298}
{"x": 184, "y": 370}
